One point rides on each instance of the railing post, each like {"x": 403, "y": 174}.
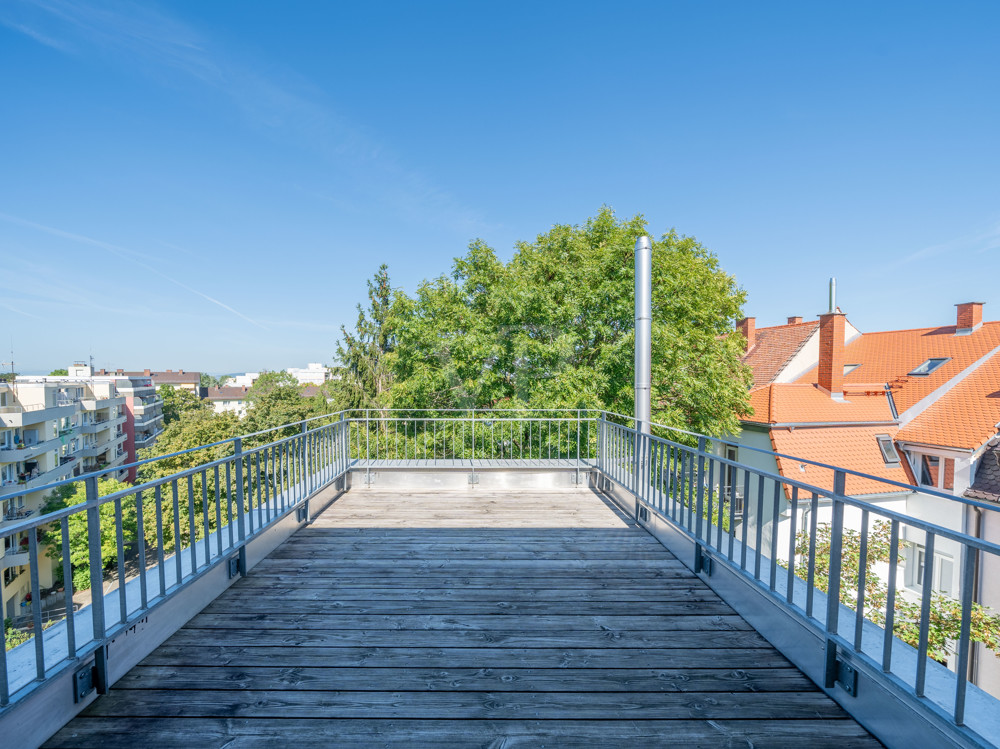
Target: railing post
{"x": 96, "y": 582}
{"x": 240, "y": 504}
{"x": 368, "y": 459}
{"x": 578, "y": 447}
{"x": 833, "y": 590}
{"x": 700, "y": 502}
{"x": 307, "y": 474}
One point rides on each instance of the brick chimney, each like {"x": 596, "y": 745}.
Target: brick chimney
{"x": 146, "y": 372}
{"x": 748, "y": 327}
{"x": 970, "y": 317}
{"x": 795, "y": 320}
{"x": 831, "y": 353}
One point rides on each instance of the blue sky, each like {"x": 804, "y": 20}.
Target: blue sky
{"x": 207, "y": 186}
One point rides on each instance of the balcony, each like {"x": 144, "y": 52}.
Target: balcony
{"x": 18, "y": 454}
{"x": 503, "y": 578}
{"x": 21, "y": 416}
{"x": 142, "y": 442}
{"x": 100, "y": 426}
{"x": 97, "y": 404}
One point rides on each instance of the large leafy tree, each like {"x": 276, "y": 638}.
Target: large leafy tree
{"x": 554, "y": 328}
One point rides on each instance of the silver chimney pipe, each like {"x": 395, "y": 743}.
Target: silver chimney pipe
{"x": 833, "y": 295}
{"x": 643, "y": 331}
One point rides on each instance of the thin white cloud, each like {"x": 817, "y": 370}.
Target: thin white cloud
{"x": 984, "y": 241}
{"x": 131, "y": 256}
{"x": 279, "y": 102}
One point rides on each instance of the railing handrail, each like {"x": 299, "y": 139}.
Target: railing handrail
{"x": 902, "y": 486}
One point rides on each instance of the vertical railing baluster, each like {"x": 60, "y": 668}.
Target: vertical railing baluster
{"x": 160, "y": 554}
{"x": 759, "y": 529}
{"x": 925, "y": 615}
{"x": 140, "y": 540}
{"x": 205, "y": 516}
{"x": 859, "y": 614}
{"x": 890, "y": 601}
{"x": 240, "y": 505}
{"x": 792, "y": 533}
{"x": 192, "y": 525}
{"x": 36, "y": 604}
{"x": 120, "y": 559}
{"x": 811, "y": 577}
{"x": 67, "y": 573}
{"x": 96, "y": 579}
{"x": 746, "y": 519}
{"x": 177, "y": 532}
{"x": 836, "y": 554}
{"x": 775, "y": 500}
{"x": 218, "y": 512}
{"x": 962, "y": 672}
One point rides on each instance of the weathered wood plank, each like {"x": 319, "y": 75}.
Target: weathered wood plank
{"x": 410, "y": 678}
{"x": 316, "y": 733}
{"x": 254, "y": 589}
{"x": 262, "y": 654}
{"x": 278, "y": 604}
{"x": 469, "y": 622}
{"x": 464, "y": 705}
{"x": 444, "y": 638}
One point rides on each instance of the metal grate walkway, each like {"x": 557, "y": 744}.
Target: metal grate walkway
{"x": 466, "y": 619}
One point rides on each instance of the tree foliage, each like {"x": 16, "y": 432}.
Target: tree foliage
{"x": 178, "y": 403}
{"x": 946, "y": 612}
{"x": 364, "y": 374}
{"x": 274, "y": 400}
{"x": 554, "y": 328}
{"x": 59, "y": 373}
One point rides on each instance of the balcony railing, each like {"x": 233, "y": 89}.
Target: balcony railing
{"x": 168, "y": 533}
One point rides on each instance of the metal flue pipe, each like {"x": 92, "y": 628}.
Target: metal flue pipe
{"x": 643, "y": 331}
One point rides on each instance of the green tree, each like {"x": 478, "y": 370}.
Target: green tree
{"x": 178, "y": 403}
{"x": 79, "y": 555}
{"x": 364, "y": 354}
{"x": 8, "y": 376}
{"x": 59, "y": 373}
{"x": 554, "y": 328}
{"x": 946, "y": 612}
{"x": 274, "y": 400}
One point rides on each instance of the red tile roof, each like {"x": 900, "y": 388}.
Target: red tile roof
{"x": 891, "y": 355}
{"x": 964, "y": 417}
{"x": 794, "y": 403}
{"x": 774, "y": 347}
{"x": 228, "y": 393}
{"x": 853, "y": 447}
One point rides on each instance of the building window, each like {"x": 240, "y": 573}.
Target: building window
{"x": 731, "y": 492}
{"x": 889, "y": 454}
{"x": 915, "y": 560}
{"x": 928, "y": 366}
{"x": 930, "y": 466}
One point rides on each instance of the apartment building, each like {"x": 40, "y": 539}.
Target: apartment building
{"x": 190, "y": 381}
{"x": 39, "y": 443}
{"x": 313, "y": 374}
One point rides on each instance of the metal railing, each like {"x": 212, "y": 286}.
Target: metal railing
{"x": 146, "y": 543}
{"x": 810, "y": 550}
{"x": 831, "y": 561}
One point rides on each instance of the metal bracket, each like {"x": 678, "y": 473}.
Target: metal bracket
{"x": 473, "y": 478}
{"x": 702, "y": 560}
{"x": 370, "y": 478}
{"x": 302, "y": 512}
{"x": 83, "y": 682}
{"x": 643, "y": 514}
{"x": 234, "y": 567}
{"x": 839, "y": 672}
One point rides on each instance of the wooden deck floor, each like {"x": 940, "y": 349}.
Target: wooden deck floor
{"x": 473, "y": 619}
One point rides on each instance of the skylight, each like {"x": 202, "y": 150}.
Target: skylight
{"x": 929, "y": 366}
{"x": 848, "y": 368}
{"x": 889, "y": 454}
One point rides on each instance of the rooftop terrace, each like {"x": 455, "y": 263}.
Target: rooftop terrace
{"x": 497, "y": 578}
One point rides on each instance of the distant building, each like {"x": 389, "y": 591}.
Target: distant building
{"x": 245, "y": 380}
{"x": 180, "y": 379}
{"x": 314, "y": 374}
{"x": 229, "y": 399}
